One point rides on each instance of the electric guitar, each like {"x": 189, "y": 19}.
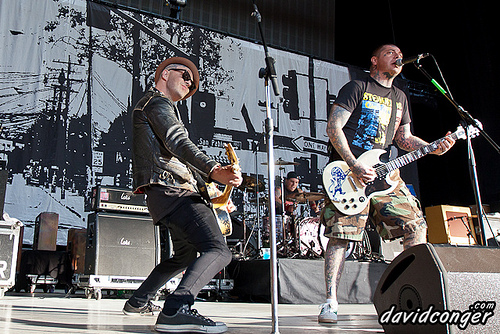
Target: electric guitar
{"x": 350, "y": 197}
{"x": 220, "y": 202}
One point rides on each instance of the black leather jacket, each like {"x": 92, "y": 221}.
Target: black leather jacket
{"x": 162, "y": 152}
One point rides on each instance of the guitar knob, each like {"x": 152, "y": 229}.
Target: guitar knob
{"x": 346, "y": 207}
{"x": 361, "y": 199}
{"x": 344, "y": 200}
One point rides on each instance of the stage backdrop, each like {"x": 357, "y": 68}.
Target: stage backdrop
{"x": 71, "y": 71}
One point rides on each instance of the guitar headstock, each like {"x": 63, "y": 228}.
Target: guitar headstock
{"x": 231, "y": 155}
{"x": 472, "y": 131}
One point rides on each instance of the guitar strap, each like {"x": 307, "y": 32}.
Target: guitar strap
{"x": 392, "y": 122}
{"x": 391, "y": 148}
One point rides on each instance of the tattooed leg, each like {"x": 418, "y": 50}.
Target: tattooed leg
{"x": 417, "y": 237}
{"x": 334, "y": 265}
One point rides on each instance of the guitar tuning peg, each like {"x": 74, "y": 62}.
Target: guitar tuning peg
{"x": 473, "y": 130}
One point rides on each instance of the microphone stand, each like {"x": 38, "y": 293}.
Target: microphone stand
{"x": 468, "y": 119}
{"x": 269, "y": 73}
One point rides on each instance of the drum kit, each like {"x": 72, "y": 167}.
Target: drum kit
{"x": 299, "y": 233}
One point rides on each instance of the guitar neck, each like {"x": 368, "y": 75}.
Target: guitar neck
{"x": 223, "y": 199}
{"x": 412, "y": 156}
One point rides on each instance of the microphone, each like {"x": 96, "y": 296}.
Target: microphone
{"x": 401, "y": 62}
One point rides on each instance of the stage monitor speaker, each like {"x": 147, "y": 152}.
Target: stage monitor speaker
{"x": 436, "y": 284}
{"x": 45, "y": 237}
{"x": 450, "y": 225}
{"x": 120, "y": 245}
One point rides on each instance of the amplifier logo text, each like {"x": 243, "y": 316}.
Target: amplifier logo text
{"x": 124, "y": 242}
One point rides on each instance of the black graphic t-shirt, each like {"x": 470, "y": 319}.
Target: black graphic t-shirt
{"x": 370, "y": 105}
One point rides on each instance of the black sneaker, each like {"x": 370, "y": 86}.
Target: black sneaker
{"x": 148, "y": 309}
{"x": 188, "y": 320}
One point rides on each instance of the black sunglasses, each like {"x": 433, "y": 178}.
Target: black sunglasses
{"x": 185, "y": 76}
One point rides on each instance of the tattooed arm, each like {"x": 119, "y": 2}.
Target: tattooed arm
{"x": 336, "y": 121}
{"x": 408, "y": 142}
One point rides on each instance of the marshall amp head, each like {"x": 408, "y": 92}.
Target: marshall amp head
{"x": 107, "y": 198}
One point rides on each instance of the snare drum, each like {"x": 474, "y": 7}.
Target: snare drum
{"x": 310, "y": 236}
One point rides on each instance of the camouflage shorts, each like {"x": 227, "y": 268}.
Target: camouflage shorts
{"x": 393, "y": 215}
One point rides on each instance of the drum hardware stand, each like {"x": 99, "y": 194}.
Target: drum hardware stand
{"x": 243, "y": 248}
{"x": 467, "y": 119}
{"x": 269, "y": 74}
{"x": 310, "y": 250}
{"x": 259, "y": 232}
{"x": 283, "y": 212}
{"x": 246, "y": 255}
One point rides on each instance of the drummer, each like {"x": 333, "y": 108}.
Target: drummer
{"x": 291, "y": 184}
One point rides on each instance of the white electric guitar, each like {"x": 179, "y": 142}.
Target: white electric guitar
{"x": 350, "y": 197}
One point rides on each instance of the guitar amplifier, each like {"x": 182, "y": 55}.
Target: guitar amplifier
{"x": 114, "y": 199}
{"x": 449, "y": 224}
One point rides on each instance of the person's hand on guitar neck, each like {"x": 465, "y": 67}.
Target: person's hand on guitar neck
{"x": 444, "y": 145}
{"x": 363, "y": 172}
{"x": 227, "y": 175}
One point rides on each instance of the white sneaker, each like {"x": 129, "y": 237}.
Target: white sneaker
{"x": 327, "y": 313}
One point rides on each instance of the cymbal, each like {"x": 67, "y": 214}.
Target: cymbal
{"x": 281, "y": 162}
{"x": 249, "y": 183}
{"x": 305, "y": 197}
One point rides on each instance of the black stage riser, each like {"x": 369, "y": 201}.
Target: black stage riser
{"x": 301, "y": 281}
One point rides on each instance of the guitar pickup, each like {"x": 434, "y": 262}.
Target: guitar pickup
{"x": 353, "y": 183}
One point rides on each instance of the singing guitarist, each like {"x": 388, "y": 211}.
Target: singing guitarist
{"x": 371, "y": 114}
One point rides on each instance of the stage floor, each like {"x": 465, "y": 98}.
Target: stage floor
{"x": 53, "y": 313}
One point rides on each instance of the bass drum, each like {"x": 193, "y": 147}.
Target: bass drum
{"x": 312, "y": 240}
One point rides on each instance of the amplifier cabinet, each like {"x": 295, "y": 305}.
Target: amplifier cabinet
{"x": 450, "y": 225}
{"x": 45, "y": 237}
{"x": 120, "y": 244}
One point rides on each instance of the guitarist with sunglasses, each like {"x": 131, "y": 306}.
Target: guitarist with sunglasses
{"x": 371, "y": 114}
{"x": 173, "y": 172}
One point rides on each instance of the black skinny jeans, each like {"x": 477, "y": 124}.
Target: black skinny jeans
{"x": 193, "y": 229}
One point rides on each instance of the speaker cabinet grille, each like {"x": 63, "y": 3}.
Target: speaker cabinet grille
{"x": 121, "y": 245}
